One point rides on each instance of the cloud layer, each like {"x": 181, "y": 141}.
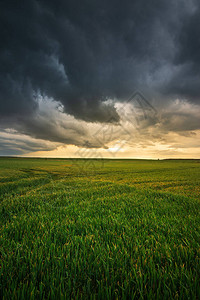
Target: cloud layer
{"x": 83, "y": 57}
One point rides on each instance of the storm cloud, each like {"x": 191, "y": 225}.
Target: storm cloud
{"x": 82, "y": 54}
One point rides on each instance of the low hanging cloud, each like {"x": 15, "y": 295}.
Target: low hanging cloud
{"x": 51, "y": 128}
{"x": 65, "y": 64}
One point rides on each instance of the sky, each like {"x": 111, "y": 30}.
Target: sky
{"x": 96, "y": 79}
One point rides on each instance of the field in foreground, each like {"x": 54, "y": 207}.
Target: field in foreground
{"x": 113, "y": 229}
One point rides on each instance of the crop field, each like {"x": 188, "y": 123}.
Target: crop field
{"x": 99, "y": 229}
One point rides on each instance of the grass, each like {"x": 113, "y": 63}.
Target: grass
{"x": 92, "y": 229}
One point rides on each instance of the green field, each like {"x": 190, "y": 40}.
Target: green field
{"x": 94, "y": 229}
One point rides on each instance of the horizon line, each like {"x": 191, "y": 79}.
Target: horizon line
{"x": 94, "y": 158}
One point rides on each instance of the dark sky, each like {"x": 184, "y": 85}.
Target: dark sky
{"x": 81, "y": 53}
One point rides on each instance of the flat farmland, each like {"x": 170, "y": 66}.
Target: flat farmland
{"x": 99, "y": 229}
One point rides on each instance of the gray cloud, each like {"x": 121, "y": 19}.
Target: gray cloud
{"x": 13, "y": 143}
{"x": 79, "y": 54}
{"x": 176, "y": 125}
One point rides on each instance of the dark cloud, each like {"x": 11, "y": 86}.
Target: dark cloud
{"x": 83, "y": 52}
{"x": 80, "y": 54}
{"x": 185, "y": 81}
